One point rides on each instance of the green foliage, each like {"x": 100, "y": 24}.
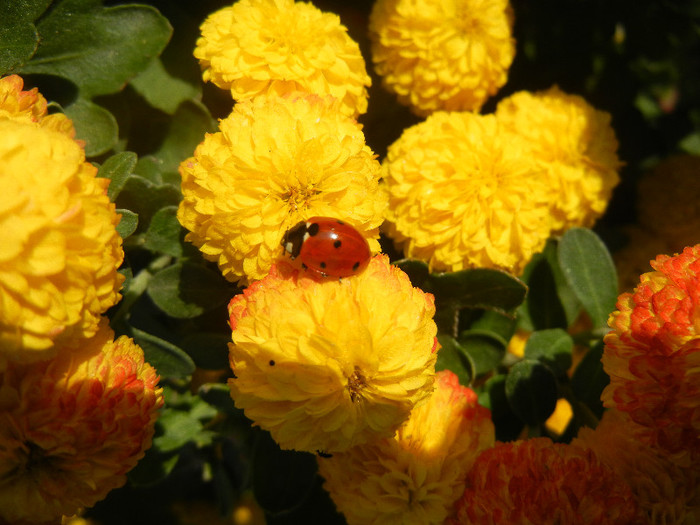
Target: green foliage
{"x": 126, "y": 77}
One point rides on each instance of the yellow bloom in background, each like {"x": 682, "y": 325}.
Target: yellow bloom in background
{"x": 463, "y": 194}
{"x": 29, "y": 106}
{"x": 73, "y": 426}
{"x": 417, "y": 475}
{"x": 275, "y": 162}
{"x": 328, "y": 365}
{"x": 60, "y": 250}
{"x": 442, "y": 55}
{"x": 652, "y": 355}
{"x": 573, "y": 144}
{"x": 663, "y": 490}
{"x": 668, "y": 203}
{"x": 259, "y": 47}
{"x": 538, "y": 481}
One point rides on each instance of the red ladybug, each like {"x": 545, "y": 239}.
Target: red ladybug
{"x": 327, "y": 246}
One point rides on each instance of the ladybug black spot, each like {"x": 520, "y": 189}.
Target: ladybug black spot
{"x": 337, "y": 244}
{"x": 304, "y": 267}
{"x": 312, "y": 229}
{"x": 272, "y": 362}
{"x": 323, "y": 265}
{"x": 355, "y": 266}
{"x": 340, "y": 222}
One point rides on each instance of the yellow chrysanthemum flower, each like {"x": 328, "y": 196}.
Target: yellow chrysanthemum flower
{"x": 328, "y": 365}
{"x": 73, "y": 426}
{"x": 60, "y": 250}
{"x": 275, "y": 162}
{"x": 416, "y": 476}
{"x": 538, "y": 481}
{"x": 463, "y": 194}
{"x": 29, "y": 106}
{"x": 668, "y": 202}
{"x": 575, "y": 146}
{"x": 663, "y": 490}
{"x": 280, "y": 46}
{"x": 442, "y": 55}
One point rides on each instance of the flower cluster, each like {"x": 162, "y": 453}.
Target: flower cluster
{"x": 71, "y": 427}
{"x": 463, "y": 194}
{"x": 573, "y": 144}
{"x": 257, "y": 47}
{"x": 77, "y": 408}
{"x": 537, "y": 481}
{"x": 663, "y": 489}
{"x": 418, "y": 474}
{"x": 470, "y": 190}
{"x": 439, "y": 55}
{"x": 325, "y": 365}
{"x": 276, "y": 161}
{"x": 653, "y": 352}
{"x": 60, "y": 249}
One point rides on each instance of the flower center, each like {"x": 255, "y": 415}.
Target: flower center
{"x": 299, "y": 197}
{"x": 356, "y": 383}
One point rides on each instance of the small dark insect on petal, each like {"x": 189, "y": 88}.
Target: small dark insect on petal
{"x": 272, "y": 362}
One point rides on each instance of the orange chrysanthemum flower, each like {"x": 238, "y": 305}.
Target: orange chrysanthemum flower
{"x": 653, "y": 353}
{"x": 72, "y": 427}
{"x": 575, "y": 148}
{"x": 257, "y": 47}
{"x": 442, "y": 55}
{"x": 663, "y": 490}
{"x": 538, "y": 482}
{"x": 277, "y": 161}
{"x": 29, "y": 106}
{"x": 328, "y": 365}
{"x": 60, "y": 250}
{"x": 416, "y": 476}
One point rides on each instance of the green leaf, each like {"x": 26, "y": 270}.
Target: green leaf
{"x": 188, "y": 290}
{"x": 98, "y": 48}
{"x": 208, "y": 349}
{"x": 162, "y": 90}
{"x": 453, "y": 357}
{"x": 94, "y": 125}
{"x": 219, "y": 395}
{"x": 543, "y": 307}
{"x": 145, "y": 198}
{"x": 478, "y": 288}
{"x": 531, "y": 389}
{"x": 179, "y": 428}
{"x": 416, "y": 270}
{"x": 589, "y": 380}
{"x": 117, "y": 168}
{"x": 552, "y": 347}
{"x": 165, "y": 357}
{"x": 282, "y": 479}
{"x": 590, "y": 271}
{"x": 152, "y": 468}
{"x": 19, "y": 38}
{"x": 189, "y": 124}
{"x": 485, "y": 350}
{"x": 493, "y": 396}
{"x": 164, "y": 233}
{"x": 127, "y": 224}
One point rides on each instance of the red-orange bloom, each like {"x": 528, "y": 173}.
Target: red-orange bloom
{"x": 653, "y": 354}
{"x": 72, "y": 427}
{"x": 540, "y": 482}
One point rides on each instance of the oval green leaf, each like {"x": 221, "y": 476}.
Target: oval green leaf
{"x": 165, "y": 357}
{"x": 552, "y": 347}
{"x": 188, "y": 290}
{"x": 477, "y": 288}
{"x": 452, "y": 356}
{"x": 485, "y": 349}
{"x": 164, "y": 233}
{"x": 94, "y": 125}
{"x": 590, "y": 272}
{"x": 531, "y": 389}
{"x": 128, "y": 223}
{"x": 117, "y": 168}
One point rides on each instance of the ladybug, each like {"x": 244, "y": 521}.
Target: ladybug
{"x": 327, "y": 246}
